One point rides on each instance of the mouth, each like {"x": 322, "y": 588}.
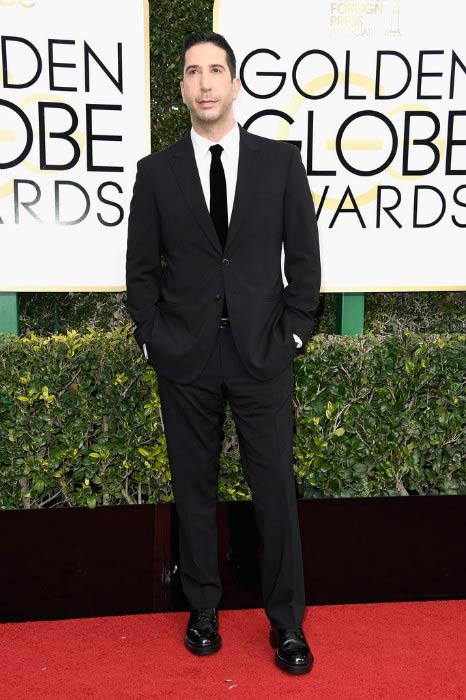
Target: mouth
{"x": 206, "y": 103}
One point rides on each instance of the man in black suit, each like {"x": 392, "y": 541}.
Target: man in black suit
{"x": 216, "y": 323}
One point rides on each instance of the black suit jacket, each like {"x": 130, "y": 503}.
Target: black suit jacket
{"x": 177, "y": 305}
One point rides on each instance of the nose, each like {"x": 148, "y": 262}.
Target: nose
{"x": 205, "y": 82}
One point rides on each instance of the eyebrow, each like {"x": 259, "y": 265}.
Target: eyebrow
{"x": 212, "y": 65}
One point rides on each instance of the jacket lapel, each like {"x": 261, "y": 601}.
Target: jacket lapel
{"x": 187, "y": 175}
{"x": 249, "y": 148}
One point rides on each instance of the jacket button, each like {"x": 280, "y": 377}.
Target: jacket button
{"x": 218, "y": 297}
{"x": 225, "y": 261}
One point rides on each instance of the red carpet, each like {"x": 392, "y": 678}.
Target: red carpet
{"x": 385, "y": 651}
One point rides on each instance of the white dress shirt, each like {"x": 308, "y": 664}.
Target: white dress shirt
{"x": 230, "y": 158}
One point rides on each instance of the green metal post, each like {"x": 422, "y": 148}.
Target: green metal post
{"x": 9, "y": 316}
{"x": 350, "y": 313}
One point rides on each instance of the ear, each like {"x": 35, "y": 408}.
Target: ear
{"x": 236, "y": 87}
{"x": 182, "y": 91}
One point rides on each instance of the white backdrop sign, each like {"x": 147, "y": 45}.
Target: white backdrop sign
{"x": 74, "y": 119}
{"x": 374, "y": 94}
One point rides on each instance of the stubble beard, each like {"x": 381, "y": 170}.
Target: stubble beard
{"x": 207, "y": 117}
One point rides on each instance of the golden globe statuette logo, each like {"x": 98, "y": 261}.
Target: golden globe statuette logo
{"x": 395, "y": 20}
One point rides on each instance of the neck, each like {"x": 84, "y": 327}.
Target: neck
{"x": 214, "y": 131}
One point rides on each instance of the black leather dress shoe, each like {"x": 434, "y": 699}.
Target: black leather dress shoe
{"x": 202, "y": 635}
{"x": 293, "y": 653}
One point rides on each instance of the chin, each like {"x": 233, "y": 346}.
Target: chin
{"x": 207, "y": 117}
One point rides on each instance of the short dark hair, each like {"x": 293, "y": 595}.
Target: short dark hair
{"x": 212, "y": 38}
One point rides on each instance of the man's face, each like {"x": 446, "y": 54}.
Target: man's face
{"x": 207, "y": 88}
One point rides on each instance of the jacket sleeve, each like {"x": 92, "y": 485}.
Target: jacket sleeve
{"x": 143, "y": 264}
{"x": 301, "y": 248}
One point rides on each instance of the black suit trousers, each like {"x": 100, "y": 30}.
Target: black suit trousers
{"x": 193, "y": 416}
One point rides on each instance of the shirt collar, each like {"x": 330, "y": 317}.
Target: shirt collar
{"x": 230, "y": 142}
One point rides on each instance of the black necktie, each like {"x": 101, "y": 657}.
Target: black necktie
{"x": 218, "y": 195}
{"x": 218, "y": 202}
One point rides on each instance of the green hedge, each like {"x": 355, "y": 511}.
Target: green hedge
{"x": 80, "y": 420}
{"x": 423, "y": 312}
